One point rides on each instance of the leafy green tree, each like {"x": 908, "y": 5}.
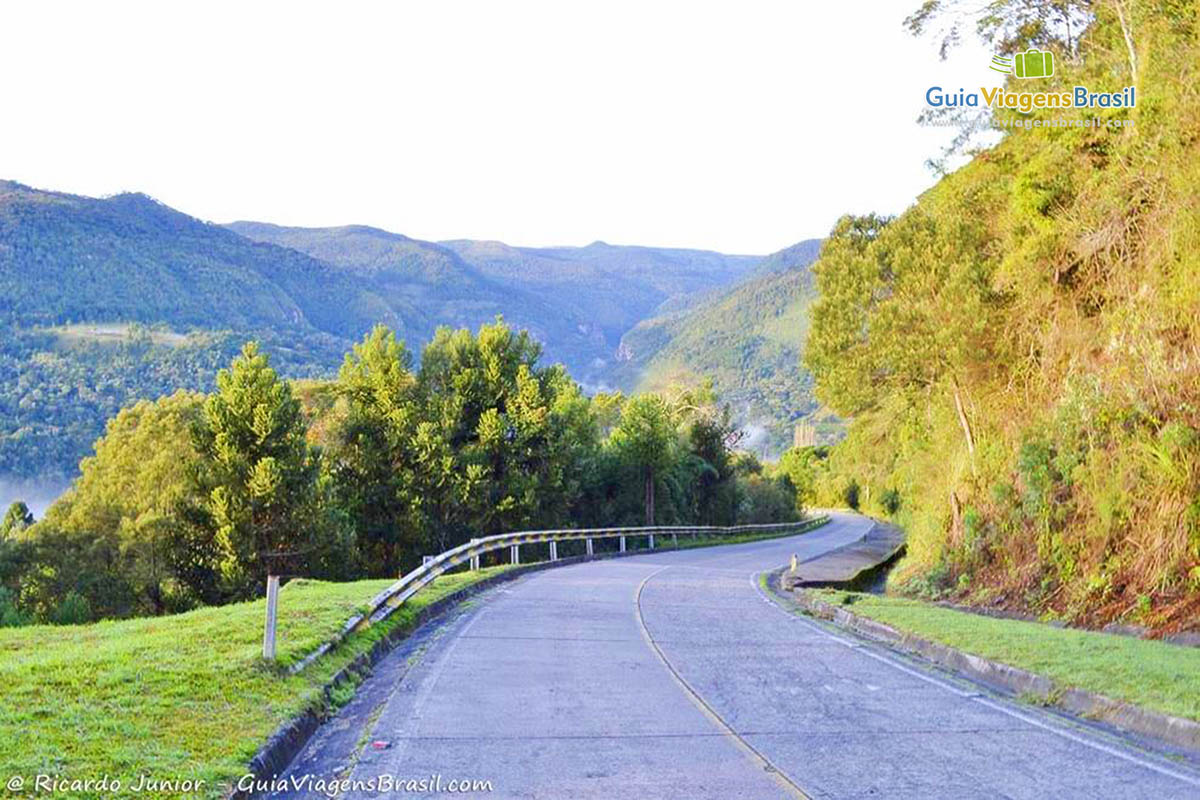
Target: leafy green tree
{"x": 259, "y": 474}
{"x": 800, "y": 465}
{"x": 646, "y": 439}
{"x": 134, "y": 491}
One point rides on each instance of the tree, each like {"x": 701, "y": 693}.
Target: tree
{"x": 711, "y": 435}
{"x": 1009, "y": 25}
{"x": 16, "y": 519}
{"x": 800, "y": 465}
{"x": 646, "y": 439}
{"x": 259, "y": 474}
{"x": 370, "y": 457}
{"x": 905, "y": 306}
{"x": 502, "y": 443}
{"x": 135, "y": 492}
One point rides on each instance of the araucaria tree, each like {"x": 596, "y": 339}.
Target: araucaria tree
{"x": 371, "y": 458}
{"x": 260, "y": 476}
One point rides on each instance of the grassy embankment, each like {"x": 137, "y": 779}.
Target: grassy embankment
{"x": 1151, "y": 674}
{"x": 180, "y": 697}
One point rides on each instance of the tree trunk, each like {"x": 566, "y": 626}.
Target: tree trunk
{"x": 1128, "y": 34}
{"x": 962, "y": 420}
{"x": 956, "y": 523}
{"x": 650, "y": 497}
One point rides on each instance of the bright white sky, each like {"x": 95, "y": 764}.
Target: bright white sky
{"x": 741, "y": 126}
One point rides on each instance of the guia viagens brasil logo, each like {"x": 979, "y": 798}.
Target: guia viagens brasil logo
{"x": 1028, "y": 65}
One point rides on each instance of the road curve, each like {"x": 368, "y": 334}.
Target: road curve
{"x": 671, "y": 675}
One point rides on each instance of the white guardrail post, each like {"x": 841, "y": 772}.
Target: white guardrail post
{"x": 622, "y": 544}
{"x": 272, "y": 617}
{"x": 515, "y": 554}
{"x": 590, "y": 551}
{"x": 652, "y": 541}
{"x": 474, "y": 559}
{"x": 553, "y": 551}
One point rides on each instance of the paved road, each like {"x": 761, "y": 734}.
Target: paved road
{"x": 670, "y": 675}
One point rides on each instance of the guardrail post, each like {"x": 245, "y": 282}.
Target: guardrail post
{"x": 554, "y": 551}
{"x": 272, "y": 617}
{"x": 674, "y": 539}
{"x": 474, "y": 559}
{"x": 652, "y": 541}
{"x": 590, "y": 551}
{"x": 515, "y": 554}
{"x": 622, "y": 544}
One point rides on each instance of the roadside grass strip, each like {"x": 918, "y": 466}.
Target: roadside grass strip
{"x": 1154, "y": 675}
{"x": 180, "y": 697}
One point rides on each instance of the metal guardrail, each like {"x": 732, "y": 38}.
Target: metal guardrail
{"x": 391, "y": 598}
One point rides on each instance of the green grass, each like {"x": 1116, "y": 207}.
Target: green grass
{"x": 1150, "y": 674}
{"x": 186, "y": 696}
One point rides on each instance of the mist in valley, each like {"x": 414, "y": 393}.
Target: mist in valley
{"x": 37, "y": 493}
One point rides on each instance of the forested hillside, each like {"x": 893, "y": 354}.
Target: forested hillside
{"x": 107, "y": 301}
{"x": 129, "y": 258}
{"x": 431, "y": 285}
{"x": 748, "y": 340}
{"x": 1020, "y": 351}
{"x": 577, "y": 301}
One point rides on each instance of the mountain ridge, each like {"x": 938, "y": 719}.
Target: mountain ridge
{"x": 104, "y": 301}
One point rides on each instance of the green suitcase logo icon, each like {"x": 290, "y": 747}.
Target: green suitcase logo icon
{"x": 1034, "y": 64}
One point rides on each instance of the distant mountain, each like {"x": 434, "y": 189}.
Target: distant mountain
{"x": 106, "y": 301}
{"x": 65, "y": 258}
{"x": 429, "y": 285}
{"x": 613, "y": 286}
{"x": 578, "y": 301}
{"x": 748, "y": 339}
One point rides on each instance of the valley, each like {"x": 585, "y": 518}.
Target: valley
{"x": 104, "y": 301}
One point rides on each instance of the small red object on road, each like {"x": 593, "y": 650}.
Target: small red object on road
{"x": 379, "y": 744}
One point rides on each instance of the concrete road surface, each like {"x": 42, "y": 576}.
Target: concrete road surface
{"x": 671, "y": 675}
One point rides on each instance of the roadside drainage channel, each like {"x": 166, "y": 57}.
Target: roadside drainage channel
{"x": 861, "y": 565}
{"x": 290, "y": 738}
{"x": 1175, "y": 731}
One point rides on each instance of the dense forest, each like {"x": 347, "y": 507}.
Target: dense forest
{"x": 188, "y": 498}
{"x": 1019, "y": 350}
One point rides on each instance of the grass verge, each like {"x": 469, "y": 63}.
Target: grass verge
{"x": 1151, "y": 674}
{"x": 181, "y": 697}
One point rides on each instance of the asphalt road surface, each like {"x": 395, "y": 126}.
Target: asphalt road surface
{"x": 672, "y": 675}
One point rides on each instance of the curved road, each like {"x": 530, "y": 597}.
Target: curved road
{"x": 671, "y": 675}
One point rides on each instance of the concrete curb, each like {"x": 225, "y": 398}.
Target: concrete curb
{"x": 291, "y": 736}
{"x": 1182, "y": 733}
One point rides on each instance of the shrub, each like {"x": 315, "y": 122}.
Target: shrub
{"x": 850, "y": 495}
{"x": 890, "y": 501}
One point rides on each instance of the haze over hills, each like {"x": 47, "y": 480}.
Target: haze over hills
{"x": 104, "y": 301}
{"x": 747, "y": 338}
